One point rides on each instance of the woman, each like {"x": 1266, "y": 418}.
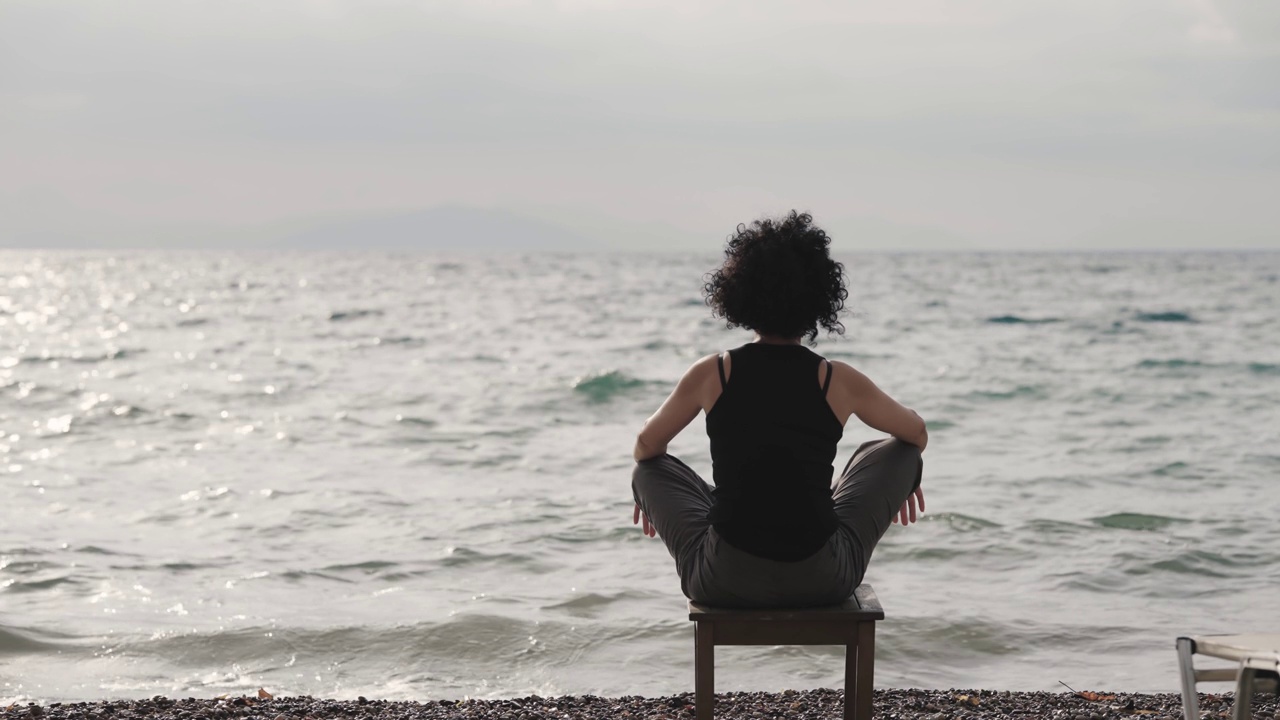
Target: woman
{"x": 774, "y": 532}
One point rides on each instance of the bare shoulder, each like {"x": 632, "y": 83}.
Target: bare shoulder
{"x": 846, "y": 391}
{"x": 846, "y": 376}
{"x": 702, "y": 381}
{"x": 701, "y": 374}
{"x": 703, "y": 366}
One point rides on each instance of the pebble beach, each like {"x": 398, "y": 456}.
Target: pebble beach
{"x": 902, "y": 704}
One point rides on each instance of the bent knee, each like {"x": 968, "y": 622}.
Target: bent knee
{"x": 645, "y": 468}
{"x": 902, "y": 447}
{"x": 890, "y": 448}
{"x": 911, "y": 459}
{"x": 904, "y": 458}
{"x": 645, "y": 471}
{"x": 665, "y": 469}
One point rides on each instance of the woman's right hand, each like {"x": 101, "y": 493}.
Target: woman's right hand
{"x": 907, "y": 514}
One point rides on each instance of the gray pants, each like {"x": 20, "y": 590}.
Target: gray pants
{"x": 871, "y": 489}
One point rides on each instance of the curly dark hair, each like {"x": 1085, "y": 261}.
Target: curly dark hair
{"x": 778, "y": 278}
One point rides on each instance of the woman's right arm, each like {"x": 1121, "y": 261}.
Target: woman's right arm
{"x": 877, "y": 409}
{"x": 679, "y": 409}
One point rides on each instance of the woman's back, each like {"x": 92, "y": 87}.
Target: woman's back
{"x": 774, "y": 532}
{"x": 773, "y": 440}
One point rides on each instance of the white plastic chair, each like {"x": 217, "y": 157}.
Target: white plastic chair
{"x": 1257, "y": 659}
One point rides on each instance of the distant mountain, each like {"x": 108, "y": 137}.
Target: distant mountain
{"x": 449, "y": 228}
{"x": 438, "y": 228}
{"x": 445, "y": 228}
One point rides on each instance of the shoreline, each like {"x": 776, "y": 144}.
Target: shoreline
{"x": 902, "y": 704}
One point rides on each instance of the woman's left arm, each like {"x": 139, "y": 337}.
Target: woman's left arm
{"x": 678, "y": 410}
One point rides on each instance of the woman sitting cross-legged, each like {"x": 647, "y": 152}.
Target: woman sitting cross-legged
{"x": 774, "y": 531}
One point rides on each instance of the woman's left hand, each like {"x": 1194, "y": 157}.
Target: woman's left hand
{"x": 649, "y": 529}
{"x": 907, "y": 514}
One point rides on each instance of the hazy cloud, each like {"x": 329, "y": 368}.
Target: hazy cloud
{"x": 994, "y": 123}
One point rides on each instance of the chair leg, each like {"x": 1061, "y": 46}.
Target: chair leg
{"x": 704, "y": 669}
{"x": 866, "y": 671}
{"x": 1190, "y": 702}
{"x": 1244, "y": 694}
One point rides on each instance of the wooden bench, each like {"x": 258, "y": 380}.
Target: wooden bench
{"x": 852, "y": 624}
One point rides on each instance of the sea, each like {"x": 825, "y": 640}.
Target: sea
{"x": 407, "y": 476}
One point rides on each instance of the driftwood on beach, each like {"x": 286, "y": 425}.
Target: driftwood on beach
{"x": 791, "y": 704}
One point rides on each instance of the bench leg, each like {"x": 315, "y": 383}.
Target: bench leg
{"x": 704, "y": 671}
{"x": 864, "y": 680}
{"x": 850, "y": 680}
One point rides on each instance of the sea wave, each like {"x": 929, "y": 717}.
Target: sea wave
{"x": 1165, "y": 317}
{"x": 359, "y": 314}
{"x": 1021, "y": 392}
{"x": 1136, "y": 521}
{"x": 603, "y": 387}
{"x": 1019, "y": 320}
{"x": 21, "y": 641}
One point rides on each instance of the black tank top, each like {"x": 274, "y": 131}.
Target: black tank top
{"x": 773, "y": 440}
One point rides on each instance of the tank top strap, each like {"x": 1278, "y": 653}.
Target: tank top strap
{"x": 720, "y": 364}
{"x": 825, "y": 384}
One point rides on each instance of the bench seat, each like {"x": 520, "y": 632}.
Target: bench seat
{"x": 851, "y": 623}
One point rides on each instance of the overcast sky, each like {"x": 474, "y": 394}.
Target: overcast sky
{"x": 900, "y": 124}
